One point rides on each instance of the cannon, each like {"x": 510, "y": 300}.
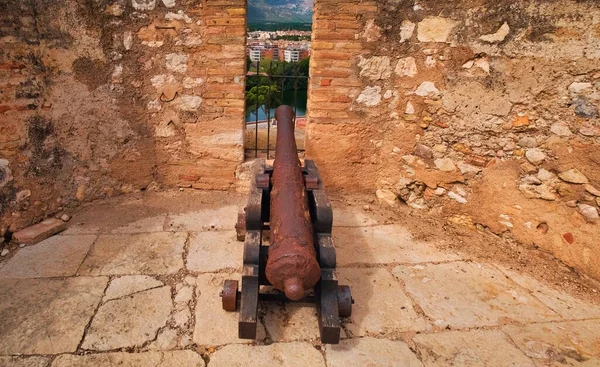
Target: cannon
{"x": 289, "y": 254}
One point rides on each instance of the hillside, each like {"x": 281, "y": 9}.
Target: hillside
{"x": 276, "y": 11}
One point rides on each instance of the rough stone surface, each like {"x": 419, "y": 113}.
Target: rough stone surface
{"x": 435, "y": 29}
{"x": 423, "y": 151}
{"x": 470, "y": 348}
{"x": 55, "y": 257}
{"x": 214, "y": 251}
{"x": 40, "y": 231}
{"x": 406, "y": 67}
{"x": 387, "y": 197}
{"x": 445, "y": 165}
{"x": 71, "y": 134}
{"x": 573, "y": 176}
{"x": 462, "y": 295}
{"x": 589, "y": 212}
{"x": 24, "y": 361}
{"x": 592, "y": 190}
{"x": 427, "y": 89}
{"x": 562, "y": 303}
{"x": 406, "y": 30}
{"x": 370, "y": 96}
{"x": 352, "y": 217}
{"x": 221, "y": 327}
{"x": 558, "y": 344}
{"x": 504, "y": 86}
{"x": 183, "y": 358}
{"x": 370, "y": 352}
{"x": 375, "y": 68}
{"x": 130, "y": 321}
{"x": 294, "y": 354}
{"x": 381, "y": 306}
{"x": 292, "y": 323}
{"x": 5, "y": 173}
{"x": 129, "y": 284}
{"x": 143, "y": 5}
{"x": 560, "y": 129}
{"x": 151, "y": 224}
{"x": 389, "y": 244}
{"x": 46, "y": 316}
{"x": 206, "y": 219}
{"x": 535, "y": 156}
{"x": 144, "y": 322}
{"x": 498, "y": 36}
{"x": 149, "y": 253}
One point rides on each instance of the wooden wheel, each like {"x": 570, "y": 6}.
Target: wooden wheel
{"x": 229, "y": 295}
{"x": 345, "y": 301}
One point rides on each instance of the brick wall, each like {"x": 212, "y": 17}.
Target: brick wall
{"x": 337, "y": 133}
{"x": 484, "y": 113}
{"x": 108, "y": 97}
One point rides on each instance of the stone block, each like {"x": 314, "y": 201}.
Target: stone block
{"x": 469, "y": 348}
{"x": 40, "y": 231}
{"x": 562, "y": 303}
{"x": 291, "y": 322}
{"x": 215, "y": 326}
{"x": 381, "y": 306}
{"x": 24, "y": 361}
{"x": 129, "y": 284}
{"x": 214, "y": 251}
{"x": 130, "y": 321}
{"x": 46, "y": 316}
{"x": 387, "y": 244}
{"x": 221, "y": 218}
{"x": 58, "y": 256}
{"x": 294, "y": 354}
{"x": 466, "y": 295}
{"x": 181, "y": 358}
{"x": 559, "y": 344}
{"x": 369, "y": 351}
{"x": 352, "y": 217}
{"x": 128, "y": 254}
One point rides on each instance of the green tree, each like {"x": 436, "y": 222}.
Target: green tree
{"x": 264, "y": 97}
{"x": 303, "y": 66}
{"x": 248, "y": 63}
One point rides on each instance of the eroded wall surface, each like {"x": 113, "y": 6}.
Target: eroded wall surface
{"x": 484, "y": 112}
{"x": 105, "y": 97}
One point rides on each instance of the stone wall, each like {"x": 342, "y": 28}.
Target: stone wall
{"x": 99, "y": 98}
{"x": 483, "y": 112}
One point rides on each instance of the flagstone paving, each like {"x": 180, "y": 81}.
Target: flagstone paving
{"x": 140, "y": 286}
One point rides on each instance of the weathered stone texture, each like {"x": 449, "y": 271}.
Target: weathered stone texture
{"x": 129, "y": 321}
{"x": 102, "y": 98}
{"x": 58, "y": 256}
{"x": 183, "y": 358}
{"x": 128, "y": 254}
{"x": 465, "y": 295}
{"x": 47, "y": 316}
{"x": 370, "y": 352}
{"x": 433, "y": 104}
{"x": 470, "y": 348}
{"x": 287, "y": 354}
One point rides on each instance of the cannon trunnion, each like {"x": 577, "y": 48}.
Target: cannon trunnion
{"x": 296, "y": 261}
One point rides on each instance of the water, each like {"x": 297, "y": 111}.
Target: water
{"x": 288, "y": 99}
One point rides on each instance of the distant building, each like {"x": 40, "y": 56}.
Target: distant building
{"x": 260, "y": 52}
{"x": 291, "y": 55}
{"x": 255, "y": 54}
{"x": 295, "y": 55}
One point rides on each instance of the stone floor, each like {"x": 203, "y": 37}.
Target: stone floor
{"x": 135, "y": 282}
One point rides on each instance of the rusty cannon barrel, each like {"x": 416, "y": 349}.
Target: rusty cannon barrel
{"x": 292, "y": 265}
